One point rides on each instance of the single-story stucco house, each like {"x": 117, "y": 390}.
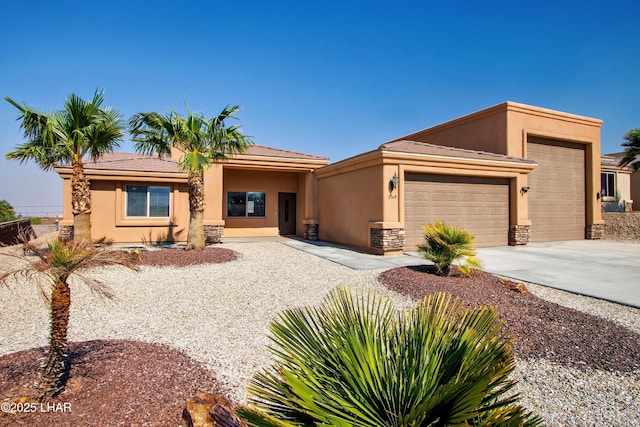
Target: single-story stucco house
{"x": 616, "y": 188}
{"x": 511, "y": 173}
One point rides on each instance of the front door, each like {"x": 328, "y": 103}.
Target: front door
{"x": 287, "y": 213}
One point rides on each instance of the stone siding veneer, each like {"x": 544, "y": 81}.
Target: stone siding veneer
{"x": 311, "y": 231}
{"x": 519, "y": 235}
{"x": 387, "y": 239}
{"x": 213, "y": 233}
{"x": 66, "y": 232}
{"x": 594, "y": 231}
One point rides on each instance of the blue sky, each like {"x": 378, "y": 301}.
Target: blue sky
{"x": 329, "y": 78}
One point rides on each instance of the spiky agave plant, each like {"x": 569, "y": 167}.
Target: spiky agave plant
{"x": 356, "y": 361}
{"x": 50, "y": 269}
{"x": 446, "y": 244}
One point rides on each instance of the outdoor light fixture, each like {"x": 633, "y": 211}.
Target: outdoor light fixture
{"x": 393, "y": 183}
{"x": 525, "y": 189}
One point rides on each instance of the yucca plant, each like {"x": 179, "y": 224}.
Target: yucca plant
{"x": 446, "y": 244}
{"x": 357, "y": 361}
{"x": 51, "y": 269}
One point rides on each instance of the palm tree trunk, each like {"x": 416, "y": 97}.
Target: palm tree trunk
{"x": 195, "y": 237}
{"x": 55, "y": 369}
{"x": 81, "y": 203}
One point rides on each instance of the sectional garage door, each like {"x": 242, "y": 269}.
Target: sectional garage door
{"x": 557, "y": 195}
{"x": 479, "y": 204}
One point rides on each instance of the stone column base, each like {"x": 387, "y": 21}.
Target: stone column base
{"x": 66, "y": 232}
{"x": 594, "y": 231}
{"x": 387, "y": 239}
{"x": 519, "y": 235}
{"x": 311, "y": 231}
{"x": 213, "y": 233}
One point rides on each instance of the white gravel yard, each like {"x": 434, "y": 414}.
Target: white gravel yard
{"x": 220, "y": 313}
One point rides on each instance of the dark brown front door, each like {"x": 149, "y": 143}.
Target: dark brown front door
{"x": 287, "y": 213}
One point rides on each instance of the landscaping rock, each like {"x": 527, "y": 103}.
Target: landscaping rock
{"x": 201, "y": 407}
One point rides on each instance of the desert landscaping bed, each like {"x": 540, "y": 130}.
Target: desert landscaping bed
{"x": 218, "y": 315}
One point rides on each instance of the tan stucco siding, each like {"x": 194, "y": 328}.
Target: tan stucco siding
{"x": 108, "y": 215}
{"x": 485, "y": 130}
{"x": 348, "y": 202}
{"x": 269, "y": 182}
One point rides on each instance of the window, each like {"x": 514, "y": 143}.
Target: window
{"x": 147, "y": 201}
{"x": 246, "y": 204}
{"x": 608, "y": 184}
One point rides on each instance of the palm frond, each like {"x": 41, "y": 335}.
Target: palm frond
{"x": 446, "y": 244}
{"x": 631, "y": 156}
{"x": 357, "y": 361}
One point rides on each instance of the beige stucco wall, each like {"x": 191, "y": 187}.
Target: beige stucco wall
{"x": 269, "y": 182}
{"x": 484, "y": 130}
{"x": 108, "y": 217}
{"x": 347, "y": 202}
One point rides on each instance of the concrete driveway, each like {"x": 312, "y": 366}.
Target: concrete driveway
{"x": 598, "y": 268}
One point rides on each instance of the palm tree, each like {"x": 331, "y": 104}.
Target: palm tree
{"x": 51, "y": 269}
{"x": 632, "y": 150}
{"x": 202, "y": 141}
{"x": 81, "y": 128}
{"x": 358, "y": 361}
{"x": 446, "y": 244}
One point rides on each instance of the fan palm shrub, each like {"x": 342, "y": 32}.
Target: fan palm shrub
{"x": 357, "y": 361}
{"x": 51, "y": 269}
{"x": 446, "y": 244}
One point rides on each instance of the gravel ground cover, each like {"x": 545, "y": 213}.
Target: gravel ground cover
{"x": 219, "y": 315}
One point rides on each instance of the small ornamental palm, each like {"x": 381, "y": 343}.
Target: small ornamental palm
{"x": 50, "y": 270}
{"x": 359, "y": 362}
{"x": 446, "y": 244}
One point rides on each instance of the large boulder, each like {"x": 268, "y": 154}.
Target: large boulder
{"x": 210, "y": 410}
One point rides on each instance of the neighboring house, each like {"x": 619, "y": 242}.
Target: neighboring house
{"x": 511, "y": 173}
{"x": 615, "y": 185}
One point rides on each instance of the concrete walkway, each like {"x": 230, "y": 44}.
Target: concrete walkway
{"x": 598, "y": 268}
{"x": 351, "y": 257}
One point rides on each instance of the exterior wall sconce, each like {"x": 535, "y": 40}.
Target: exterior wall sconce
{"x": 525, "y": 189}
{"x": 599, "y": 195}
{"x": 393, "y": 183}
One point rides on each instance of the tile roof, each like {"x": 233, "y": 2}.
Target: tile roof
{"x": 131, "y": 162}
{"x": 145, "y": 163}
{"x": 261, "y": 150}
{"x": 611, "y": 159}
{"x": 404, "y": 146}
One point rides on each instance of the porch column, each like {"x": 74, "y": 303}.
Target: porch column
{"x": 214, "y": 198}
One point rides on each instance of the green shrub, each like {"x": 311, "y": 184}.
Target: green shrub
{"x": 446, "y": 244}
{"x": 357, "y": 361}
{"x": 7, "y": 212}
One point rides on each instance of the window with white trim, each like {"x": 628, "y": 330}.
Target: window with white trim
{"x": 242, "y": 204}
{"x": 147, "y": 201}
{"x": 608, "y": 184}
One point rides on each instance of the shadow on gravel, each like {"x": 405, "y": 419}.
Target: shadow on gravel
{"x": 540, "y": 329}
{"x": 111, "y": 382}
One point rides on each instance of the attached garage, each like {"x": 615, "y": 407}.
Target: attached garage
{"x": 479, "y": 204}
{"x": 557, "y": 196}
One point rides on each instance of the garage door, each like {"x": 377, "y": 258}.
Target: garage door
{"x": 481, "y": 205}
{"x": 557, "y": 195}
